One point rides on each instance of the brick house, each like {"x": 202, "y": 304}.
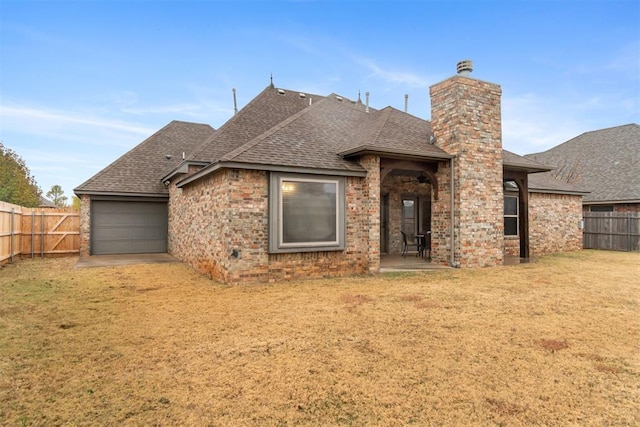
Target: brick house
{"x": 299, "y": 185}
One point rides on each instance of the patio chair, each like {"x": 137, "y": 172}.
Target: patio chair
{"x": 406, "y": 245}
{"x": 426, "y": 244}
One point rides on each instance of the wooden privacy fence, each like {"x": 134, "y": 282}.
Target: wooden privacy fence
{"x": 31, "y": 232}
{"x": 617, "y": 231}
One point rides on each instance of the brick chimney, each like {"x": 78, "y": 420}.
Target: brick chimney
{"x": 466, "y": 122}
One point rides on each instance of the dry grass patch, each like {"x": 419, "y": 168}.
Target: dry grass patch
{"x": 551, "y": 343}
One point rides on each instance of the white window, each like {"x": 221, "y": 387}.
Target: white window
{"x": 306, "y": 213}
{"x": 511, "y": 215}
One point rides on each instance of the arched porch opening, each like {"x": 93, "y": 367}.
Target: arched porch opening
{"x": 407, "y": 189}
{"x": 516, "y": 184}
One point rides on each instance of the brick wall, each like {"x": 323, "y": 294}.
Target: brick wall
{"x": 198, "y": 224}
{"x": 466, "y": 122}
{"x": 228, "y": 211}
{"x": 512, "y": 246}
{"x": 554, "y": 223}
{"x": 369, "y": 216}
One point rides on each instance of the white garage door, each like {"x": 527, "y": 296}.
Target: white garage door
{"x": 128, "y": 227}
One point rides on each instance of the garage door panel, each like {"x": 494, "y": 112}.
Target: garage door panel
{"x": 128, "y": 227}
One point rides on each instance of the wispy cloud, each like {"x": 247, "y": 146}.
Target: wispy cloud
{"x": 182, "y": 109}
{"x": 393, "y": 76}
{"x": 65, "y": 118}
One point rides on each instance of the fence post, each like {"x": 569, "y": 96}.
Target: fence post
{"x": 13, "y": 212}
{"x": 33, "y": 231}
{"x": 42, "y": 234}
{"x": 629, "y": 232}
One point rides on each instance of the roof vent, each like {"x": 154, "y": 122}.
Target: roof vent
{"x": 302, "y": 95}
{"x": 465, "y": 67}
{"x": 339, "y": 98}
{"x": 235, "y": 102}
{"x": 281, "y": 91}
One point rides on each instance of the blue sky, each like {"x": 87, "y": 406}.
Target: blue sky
{"x": 83, "y": 82}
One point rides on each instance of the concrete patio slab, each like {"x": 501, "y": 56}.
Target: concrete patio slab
{"x": 127, "y": 259}
{"x": 395, "y": 262}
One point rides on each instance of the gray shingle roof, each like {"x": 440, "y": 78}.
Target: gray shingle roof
{"x": 271, "y": 107}
{"x": 516, "y": 162}
{"x": 139, "y": 170}
{"x": 311, "y": 138}
{"x": 605, "y": 162}
{"x": 547, "y": 183}
{"x": 283, "y": 128}
{"x": 394, "y": 133}
{"x": 279, "y": 128}
{"x": 315, "y": 136}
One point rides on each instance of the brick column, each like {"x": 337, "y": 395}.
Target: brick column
{"x": 466, "y": 122}
{"x": 371, "y": 190}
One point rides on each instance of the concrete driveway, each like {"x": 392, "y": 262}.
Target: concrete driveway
{"x": 126, "y": 259}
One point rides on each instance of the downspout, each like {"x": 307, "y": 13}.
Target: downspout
{"x": 452, "y": 260}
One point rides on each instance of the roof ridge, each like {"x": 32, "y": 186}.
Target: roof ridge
{"x": 193, "y": 155}
{"x": 246, "y": 146}
{"x": 191, "y": 123}
{"x": 381, "y": 123}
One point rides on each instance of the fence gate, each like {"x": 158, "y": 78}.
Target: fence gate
{"x": 615, "y": 231}
{"x": 37, "y": 232}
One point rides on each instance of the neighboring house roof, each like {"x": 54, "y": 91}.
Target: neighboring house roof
{"x": 538, "y": 182}
{"x": 46, "y": 203}
{"x": 547, "y": 183}
{"x": 604, "y": 162}
{"x": 138, "y": 171}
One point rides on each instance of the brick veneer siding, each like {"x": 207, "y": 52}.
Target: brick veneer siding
{"x": 466, "y": 122}
{"x": 370, "y": 215}
{"x": 512, "y": 246}
{"x": 228, "y": 211}
{"x": 441, "y": 218}
{"x": 554, "y": 223}
{"x": 85, "y": 225}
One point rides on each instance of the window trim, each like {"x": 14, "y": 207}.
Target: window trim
{"x": 516, "y": 216}
{"x": 276, "y": 229}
